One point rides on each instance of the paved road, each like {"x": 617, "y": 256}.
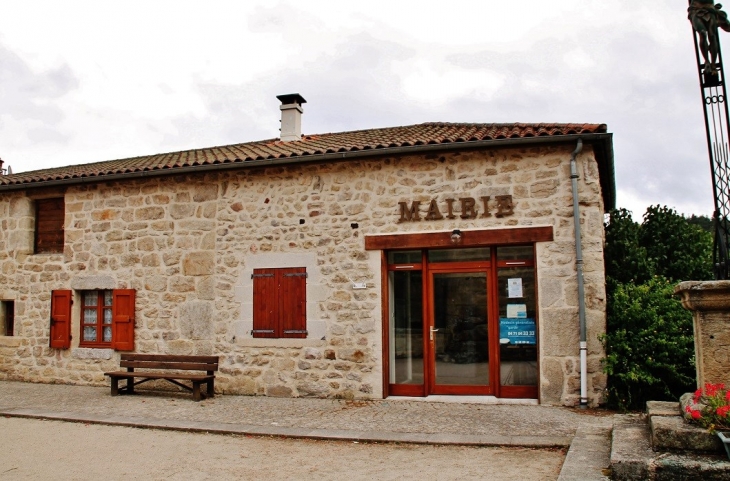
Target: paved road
{"x": 466, "y": 423}
{"x": 39, "y": 449}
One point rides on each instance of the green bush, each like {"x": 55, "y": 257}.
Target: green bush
{"x": 649, "y": 344}
{"x": 649, "y": 340}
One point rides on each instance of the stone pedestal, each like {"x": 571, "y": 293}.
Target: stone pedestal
{"x": 709, "y": 302}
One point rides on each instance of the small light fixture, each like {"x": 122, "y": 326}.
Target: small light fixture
{"x": 455, "y": 236}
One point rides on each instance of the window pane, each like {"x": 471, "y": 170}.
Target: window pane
{"x": 107, "y": 316}
{"x": 107, "y": 298}
{"x": 404, "y": 257}
{"x": 406, "y": 327}
{"x": 91, "y": 298}
{"x": 517, "y": 326}
{"x": 524, "y": 253}
{"x": 89, "y": 316}
{"x": 107, "y": 334}
{"x": 459, "y": 255}
{"x": 89, "y": 334}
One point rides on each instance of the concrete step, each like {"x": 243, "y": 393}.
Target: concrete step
{"x": 631, "y": 453}
{"x": 588, "y": 456}
{"x": 632, "y": 457}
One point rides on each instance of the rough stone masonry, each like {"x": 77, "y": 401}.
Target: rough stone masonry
{"x": 188, "y": 243}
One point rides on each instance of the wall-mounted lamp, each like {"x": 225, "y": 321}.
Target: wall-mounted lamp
{"x": 455, "y": 236}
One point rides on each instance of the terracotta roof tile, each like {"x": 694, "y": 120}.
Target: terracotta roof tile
{"x": 310, "y": 145}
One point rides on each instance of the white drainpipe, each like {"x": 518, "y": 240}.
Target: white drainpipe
{"x": 581, "y": 287}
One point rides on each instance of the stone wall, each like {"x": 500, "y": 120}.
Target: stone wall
{"x": 188, "y": 244}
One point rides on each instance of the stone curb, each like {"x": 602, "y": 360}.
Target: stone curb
{"x": 589, "y": 456}
{"x": 302, "y": 433}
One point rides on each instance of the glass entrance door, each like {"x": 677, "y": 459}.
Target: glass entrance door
{"x": 463, "y": 322}
{"x": 459, "y": 333}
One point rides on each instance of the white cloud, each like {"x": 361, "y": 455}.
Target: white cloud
{"x": 93, "y": 80}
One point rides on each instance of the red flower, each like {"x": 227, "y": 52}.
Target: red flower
{"x": 722, "y": 411}
{"x": 727, "y": 396}
{"x": 711, "y": 389}
{"x": 696, "y": 415}
{"x": 698, "y": 394}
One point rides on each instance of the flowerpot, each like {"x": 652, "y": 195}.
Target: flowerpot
{"x": 725, "y": 438}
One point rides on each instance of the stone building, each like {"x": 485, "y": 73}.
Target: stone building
{"x": 408, "y": 261}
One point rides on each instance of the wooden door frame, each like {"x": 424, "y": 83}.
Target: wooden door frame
{"x": 431, "y": 240}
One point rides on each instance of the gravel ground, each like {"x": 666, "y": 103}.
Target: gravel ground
{"x": 37, "y": 449}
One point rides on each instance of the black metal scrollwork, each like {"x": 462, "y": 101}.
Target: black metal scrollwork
{"x": 706, "y": 17}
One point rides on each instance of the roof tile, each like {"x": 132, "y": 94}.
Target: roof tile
{"x": 433, "y": 133}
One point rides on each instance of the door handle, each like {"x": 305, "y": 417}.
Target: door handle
{"x": 432, "y": 330}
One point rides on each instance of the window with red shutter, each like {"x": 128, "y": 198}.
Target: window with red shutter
{"x": 60, "y": 335}
{"x": 49, "y": 220}
{"x": 280, "y": 303}
{"x": 107, "y": 319}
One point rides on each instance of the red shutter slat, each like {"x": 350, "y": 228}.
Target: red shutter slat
{"x": 123, "y": 319}
{"x": 60, "y": 319}
{"x": 293, "y": 302}
{"x": 265, "y": 303}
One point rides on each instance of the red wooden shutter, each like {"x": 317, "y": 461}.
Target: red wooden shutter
{"x": 60, "y": 319}
{"x": 293, "y": 302}
{"x": 265, "y": 303}
{"x": 123, "y": 319}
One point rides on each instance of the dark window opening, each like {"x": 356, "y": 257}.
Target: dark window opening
{"x": 7, "y": 321}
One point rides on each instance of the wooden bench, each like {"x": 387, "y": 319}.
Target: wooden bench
{"x": 174, "y": 371}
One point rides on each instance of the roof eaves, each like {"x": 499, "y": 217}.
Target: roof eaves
{"x": 271, "y": 158}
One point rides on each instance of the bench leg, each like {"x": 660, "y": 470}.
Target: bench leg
{"x": 196, "y": 391}
{"x": 130, "y": 385}
{"x": 210, "y": 388}
{"x": 115, "y": 386}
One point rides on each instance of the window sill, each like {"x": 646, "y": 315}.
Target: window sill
{"x": 269, "y": 342}
{"x": 92, "y": 353}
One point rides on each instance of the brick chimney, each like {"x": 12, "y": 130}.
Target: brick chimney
{"x": 291, "y": 116}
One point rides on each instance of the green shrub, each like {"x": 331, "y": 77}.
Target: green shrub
{"x": 649, "y": 344}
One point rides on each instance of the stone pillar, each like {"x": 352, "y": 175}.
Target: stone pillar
{"x": 709, "y": 302}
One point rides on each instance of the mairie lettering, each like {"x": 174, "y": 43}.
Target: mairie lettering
{"x": 463, "y": 208}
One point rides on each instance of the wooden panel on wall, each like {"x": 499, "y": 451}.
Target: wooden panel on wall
{"x": 469, "y": 238}
{"x": 50, "y": 215}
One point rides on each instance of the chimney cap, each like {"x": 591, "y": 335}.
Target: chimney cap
{"x": 291, "y": 99}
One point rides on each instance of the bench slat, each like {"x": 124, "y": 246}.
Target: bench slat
{"x": 168, "y": 357}
{"x": 159, "y": 375}
{"x": 181, "y": 365}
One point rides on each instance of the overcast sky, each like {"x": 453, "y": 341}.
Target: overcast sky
{"x": 86, "y": 81}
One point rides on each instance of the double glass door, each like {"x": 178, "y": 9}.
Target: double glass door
{"x": 447, "y": 320}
